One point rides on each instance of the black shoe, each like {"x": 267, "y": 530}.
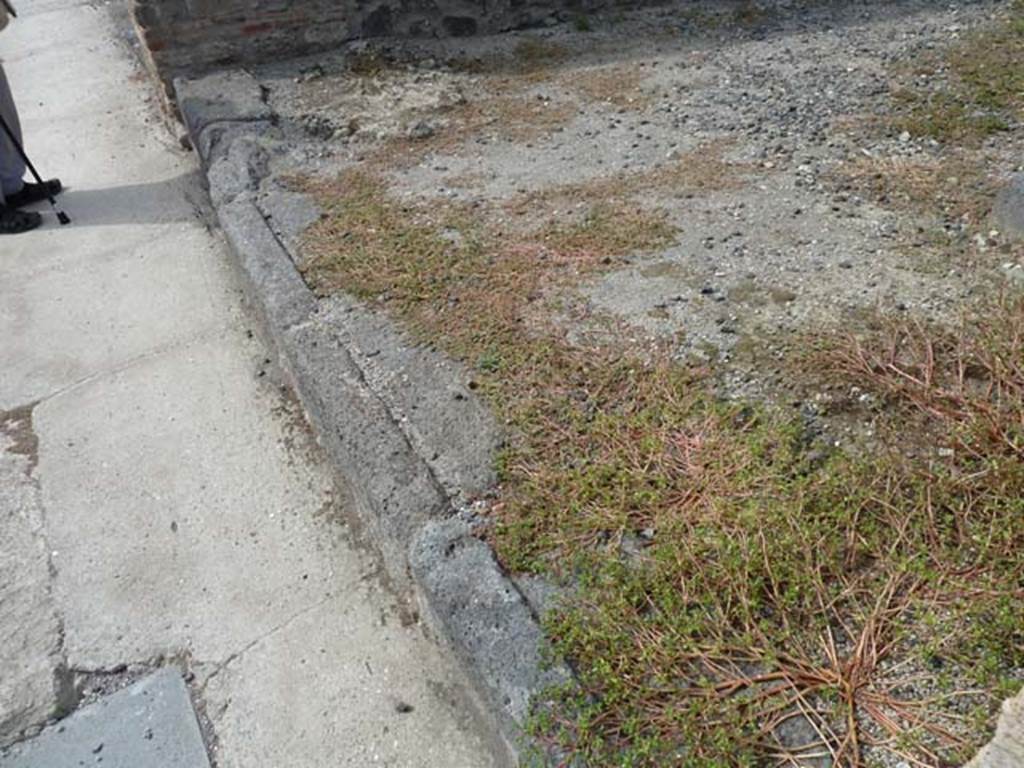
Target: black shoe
{"x": 14, "y": 222}
{"x": 34, "y": 193}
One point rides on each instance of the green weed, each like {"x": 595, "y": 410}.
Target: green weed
{"x": 730, "y": 581}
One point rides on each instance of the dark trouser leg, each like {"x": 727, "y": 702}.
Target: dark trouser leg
{"x": 12, "y": 167}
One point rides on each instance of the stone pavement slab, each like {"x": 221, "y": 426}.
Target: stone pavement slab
{"x": 150, "y": 724}
{"x": 162, "y": 498}
{"x": 31, "y": 677}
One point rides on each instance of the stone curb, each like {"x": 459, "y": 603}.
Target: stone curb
{"x": 411, "y": 442}
{"x": 230, "y": 96}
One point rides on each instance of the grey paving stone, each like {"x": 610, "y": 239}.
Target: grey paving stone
{"x": 150, "y": 724}
{"x": 227, "y": 96}
{"x": 32, "y": 686}
{"x": 1006, "y": 750}
{"x": 1009, "y": 208}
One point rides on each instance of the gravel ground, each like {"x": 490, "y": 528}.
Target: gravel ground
{"x": 786, "y": 96}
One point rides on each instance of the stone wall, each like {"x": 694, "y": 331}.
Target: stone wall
{"x": 191, "y": 36}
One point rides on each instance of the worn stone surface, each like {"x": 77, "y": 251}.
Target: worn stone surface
{"x": 289, "y": 213}
{"x": 33, "y": 682}
{"x": 1006, "y": 749}
{"x": 391, "y": 485}
{"x": 237, "y": 171}
{"x": 213, "y": 142}
{"x": 484, "y": 616}
{"x": 540, "y": 593}
{"x": 229, "y": 96}
{"x": 150, "y": 723}
{"x": 285, "y": 300}
{"x": 1009, "y": 208}
{"x": 428, "y": 395}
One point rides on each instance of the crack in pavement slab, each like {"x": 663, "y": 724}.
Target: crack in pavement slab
{"x": 281, "y": 626}
{"x": 124, "y": 366}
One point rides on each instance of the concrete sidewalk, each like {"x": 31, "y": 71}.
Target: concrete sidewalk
{"x": 161, "y": 501}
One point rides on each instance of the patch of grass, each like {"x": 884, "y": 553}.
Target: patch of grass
{"x": 368, "y": 63}
{"x": 608, "y": 229}
{"x": 519, "y": 118}
{"x": 969, "y": 381}
{"x": 946, "y": 117}
{"x": 770, "y": 587}
{"x": 989, "y": 64}
{"x": 507, "y": 115}
{"x": 582, "y": 23}
{"x": 955, "y": 187}
{"x": 510, "y": 117}
{"x": 750, "y": 14}
{"x": 449, "y": 271}
{"x": 950, "y": 198}
{"x": 466, "y": 180}
{"x": 530, "y": 60}
{"x": 734, "y": 587}
{"x": 701, "y": 171}
{"x": 618, "y": 86}
{"x": 984, "y": 87}
{"x": 535, "y": 54}
{"x": 702, "y": 20}
{"x": 747, "y": 15}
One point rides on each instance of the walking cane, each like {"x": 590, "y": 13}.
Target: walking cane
{"x": 62, "y": 217}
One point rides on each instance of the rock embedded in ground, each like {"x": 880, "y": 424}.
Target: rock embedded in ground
{"x": 421, "y": 130}
{"x": 1006, "y": 750}
{"x": 1009, "y": 208}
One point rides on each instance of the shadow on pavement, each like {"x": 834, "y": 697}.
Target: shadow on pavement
{"x": 157, "y": 202}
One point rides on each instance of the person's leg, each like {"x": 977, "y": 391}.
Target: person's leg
{"x": 12, "y": 167}
{"x": 14, "y": 192}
